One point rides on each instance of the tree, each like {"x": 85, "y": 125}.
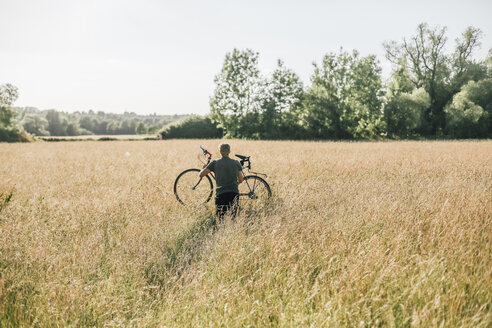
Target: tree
{"x": 72, "y": 128}
{"x": 440, "y": 74}
{"x": 112, "y": 127}
{"x": 345, "y": 98}
{"x": 469, "y": 115}
{"x": 35, "y": 124}
{"x": 101, "y": 125}
{"x": 488, "y": 64}
{"x": 57, "y": 124}
{"x": 405, "y": 105}
{"x": 283, "y": 96}
{"x": 237, "y": 99}
{"x": 9, "y": 131}
{"x": 401, "y": 81}
{"x": 152, "y": 129}
{"x": 140, "y": 128}
{"x": 86, "y": 122}
{"x": 404, "y": 113}
{"x": 463, "y": 67}
{"x": 8, "y": 94}
{"x": 365, "y": 98}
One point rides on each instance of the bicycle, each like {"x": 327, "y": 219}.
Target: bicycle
{"x": 190, "y": 189}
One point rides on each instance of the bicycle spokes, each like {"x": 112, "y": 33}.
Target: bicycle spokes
{"x": 194, "y": 187}
{"x": 192, "y": 190}
{"x": 254, "y": 189}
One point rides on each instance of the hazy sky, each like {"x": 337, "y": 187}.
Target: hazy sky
{"x": 161, "y": 56}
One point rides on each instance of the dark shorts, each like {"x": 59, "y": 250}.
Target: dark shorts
{"x": 227, "y": 202}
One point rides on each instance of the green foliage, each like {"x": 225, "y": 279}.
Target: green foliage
{"x": 488, "y": 64}
{"x": 13, "y": 134}
{"x": 61, "y": 124}
{"x": 469, "y": 115}
{"x": 401, "y": 81}
{"x": 9, "y": 131}
{"x": 35, "y": 124}
{"x": 55, "y": 123}
{"x": 8, "y": 94}
{"x": 345, "y": 98}
{"x": 196, "y": 127}
{"x": 283, "y": 99}
{"x": 237, "y": 99}
{"x": 9, "y": 134}
{"x": 428, "y": 66}
{"x": 404, "y": 112}
{"x": 344, "y": 101}
{"x": 140, "y": 128}
{"x": 6, "y": 115}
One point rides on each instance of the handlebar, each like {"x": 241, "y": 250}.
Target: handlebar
{"x": 205, "y": 152}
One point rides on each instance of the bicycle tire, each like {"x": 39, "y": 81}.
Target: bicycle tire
{"x": 254, "y": 188}
{"x": 184, "y": 192}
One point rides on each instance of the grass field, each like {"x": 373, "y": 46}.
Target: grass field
{"x": 358, "y": 234}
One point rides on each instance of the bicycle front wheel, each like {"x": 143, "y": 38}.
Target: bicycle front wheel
{"x": 254, "y": 192}
{"x": 190, "y": 190}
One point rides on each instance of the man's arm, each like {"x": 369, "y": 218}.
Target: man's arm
{"x": 204, "y": 172}
{"x": 240, "y": 176}
{"x": 209, "y": 168}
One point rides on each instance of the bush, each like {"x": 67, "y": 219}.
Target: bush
{"x": 193, "y": 127}
{"x": 403, "y": 113}
{"x": 12, "y": 134}
{"x": 469, "y": 115}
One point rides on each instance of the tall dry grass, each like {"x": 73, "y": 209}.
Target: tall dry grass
{"x": 358, "y": 234}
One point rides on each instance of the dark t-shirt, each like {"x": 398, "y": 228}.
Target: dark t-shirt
{"x": 226, "y": 170}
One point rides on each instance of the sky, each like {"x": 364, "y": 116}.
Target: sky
{"x": 151, "y": 56}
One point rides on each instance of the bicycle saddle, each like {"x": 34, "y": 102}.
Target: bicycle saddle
{"x": 244, "y": 158}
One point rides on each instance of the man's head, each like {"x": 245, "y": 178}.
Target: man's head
{"x": 224, "y": 149}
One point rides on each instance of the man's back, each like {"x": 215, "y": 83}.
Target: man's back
{"x": 226, "y": 173}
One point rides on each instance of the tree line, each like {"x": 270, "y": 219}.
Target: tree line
{"x": 21, "y": 123}
{"x": 55, "y": 123}
{"x": 431, "y": 93}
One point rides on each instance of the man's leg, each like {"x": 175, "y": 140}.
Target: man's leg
{"x": 227, "y": 202}
{"x": 234, "y": 205}
{"x": 220, "y": 206}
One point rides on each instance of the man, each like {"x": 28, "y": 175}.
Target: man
{"x": 228, "y": 175}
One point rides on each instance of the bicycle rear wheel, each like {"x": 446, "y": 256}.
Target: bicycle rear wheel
{"x": 254, "y": 192}
{"x": 190, "y": 190}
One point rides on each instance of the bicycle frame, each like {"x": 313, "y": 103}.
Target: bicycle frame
{"x": 251, "y": 190}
